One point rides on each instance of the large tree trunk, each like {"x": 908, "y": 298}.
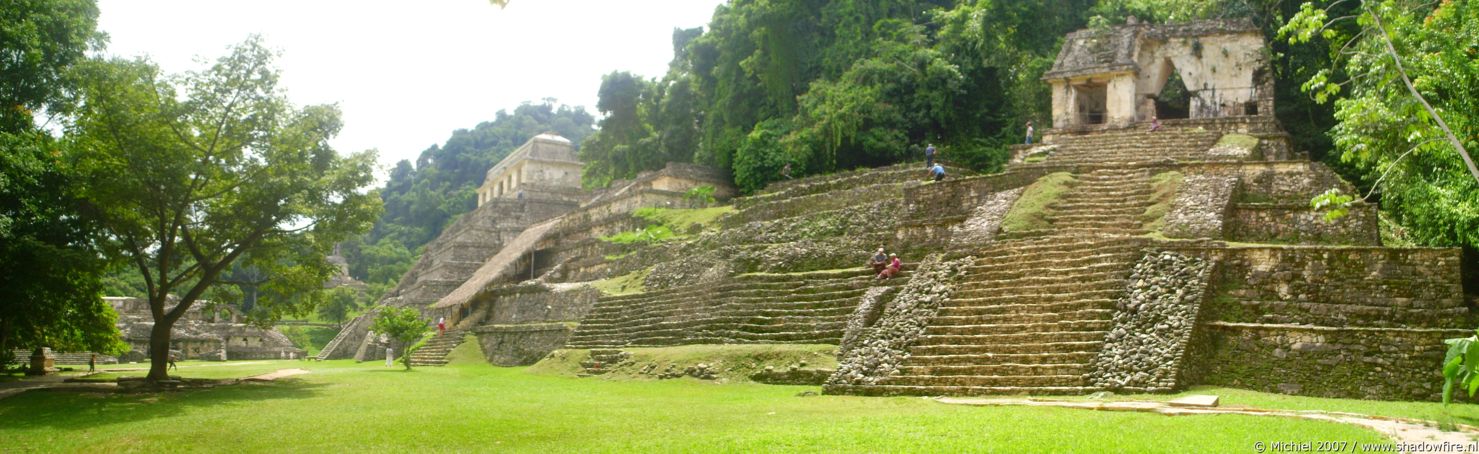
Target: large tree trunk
{"x": 159, "y": 351}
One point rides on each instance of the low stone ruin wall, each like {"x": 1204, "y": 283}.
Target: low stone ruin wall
{"x": 518, "y": 325}
{"x": 1273, "y": 181}
{"x": 1322, "y": 361}
{"x": 1352, "y": 322}
{"x": 532, "y": 304}
{"x": 521, "y": 345}
{"x": 803, "y": 205}
{"x": 1200, "y": 207}
{"x": 1339, "y": 286}
{"x": 1298, "y": 224}
{"x": 959, "y": 197}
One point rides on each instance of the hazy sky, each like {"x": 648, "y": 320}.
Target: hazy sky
{"x": 407, "y": 73}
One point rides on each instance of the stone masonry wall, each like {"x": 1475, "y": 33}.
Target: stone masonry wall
{"x": 518, "y": 325}
{"x": 1200, "y": 207}
{"x": 1364, "y": 363}
{"x": 1353, "y": 322}
{"x": 520, "y": 345}
{"x": 1273, "y": 181}
{"x": 1297, "y": 223}
{"x": 1335, "y": 286}
{"x": 532, "y": 304}
{"x": 960, "y": 197}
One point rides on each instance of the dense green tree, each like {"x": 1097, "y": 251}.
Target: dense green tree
{"x": 40, "y": 40}
{"x": 50, "y": 286}
{"x": 624, "y": 145}
{"x": 50, "y": 270}
{"x": 340, "y": 303}
{"x": 192, "y": 175}
{"x": 1407, "y": 112}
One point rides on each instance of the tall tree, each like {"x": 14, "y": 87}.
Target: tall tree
{"x": 1407, "y": 112}
{"x": 40, "y": 40}
{"x": 191, "y": 175}
{"x": 624, "y": 146}
{"x": 49, "y": 269}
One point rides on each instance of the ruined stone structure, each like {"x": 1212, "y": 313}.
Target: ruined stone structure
{"x": 1117, "y": 76}
{"x": 528, "y": 186}
{"x": 1182, "y": 256}
{"x": 547, "y": 163}
{"x": 531, "y": 212}
{"x": 215, "y": 334}
{"x": 1109, "y": 257}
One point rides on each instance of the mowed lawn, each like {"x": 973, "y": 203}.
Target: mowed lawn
{"x": 343, "y": 406}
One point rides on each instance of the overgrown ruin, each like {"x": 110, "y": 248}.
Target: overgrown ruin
{"x": 1109, "y": 257}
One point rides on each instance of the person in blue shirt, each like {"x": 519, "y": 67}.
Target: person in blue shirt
{"x": 938, "y": 171}
{"x": 929, "y": 156}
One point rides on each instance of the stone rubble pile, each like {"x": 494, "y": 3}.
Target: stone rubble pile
{"x": 867, "y": 312}
{"x": 879, "y": 353}
{"x": 1153, "y": 323}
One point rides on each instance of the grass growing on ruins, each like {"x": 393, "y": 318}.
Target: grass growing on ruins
{"x": 344, "y": 406}
{"x": 1030, "y": 211}
{"x": 683, "y": 221}
{"x": 1164, "y": 184}
{"x": 1238, "y": 141}
{"x": 626, "y": 284}
{"x": 667, "y": 224}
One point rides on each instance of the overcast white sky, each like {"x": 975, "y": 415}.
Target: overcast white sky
{"x": 406, "y": 73}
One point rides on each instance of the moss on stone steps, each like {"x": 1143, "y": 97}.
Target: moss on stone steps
{"x": 1165, "y": 185}
{"x": 1031, "y": 211}
{"x": 626, "y": 284}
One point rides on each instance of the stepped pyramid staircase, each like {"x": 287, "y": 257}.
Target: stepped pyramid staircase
{"x": 434, "y": 351}
{"x": 1032, "y": 312}
{"x": 801, "y": 308}
{"x": 1133, "y": 145}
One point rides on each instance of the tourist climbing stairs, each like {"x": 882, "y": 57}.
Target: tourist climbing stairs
{"x": 810, "y": 307}
{"x": 434, "y": 351}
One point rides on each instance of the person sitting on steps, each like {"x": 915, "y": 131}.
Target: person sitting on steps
{"x": 879, "y": 261}
{"x": 1155, "y": 123}
{"x": 893, "y": 267}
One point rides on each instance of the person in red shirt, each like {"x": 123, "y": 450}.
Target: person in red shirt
{"x": 893, "y": 267}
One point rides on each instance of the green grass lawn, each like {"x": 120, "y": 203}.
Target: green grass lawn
{"x": 343, "y": 406}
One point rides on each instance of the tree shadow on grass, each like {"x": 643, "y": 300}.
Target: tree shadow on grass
{"x": 70, "y": 409}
